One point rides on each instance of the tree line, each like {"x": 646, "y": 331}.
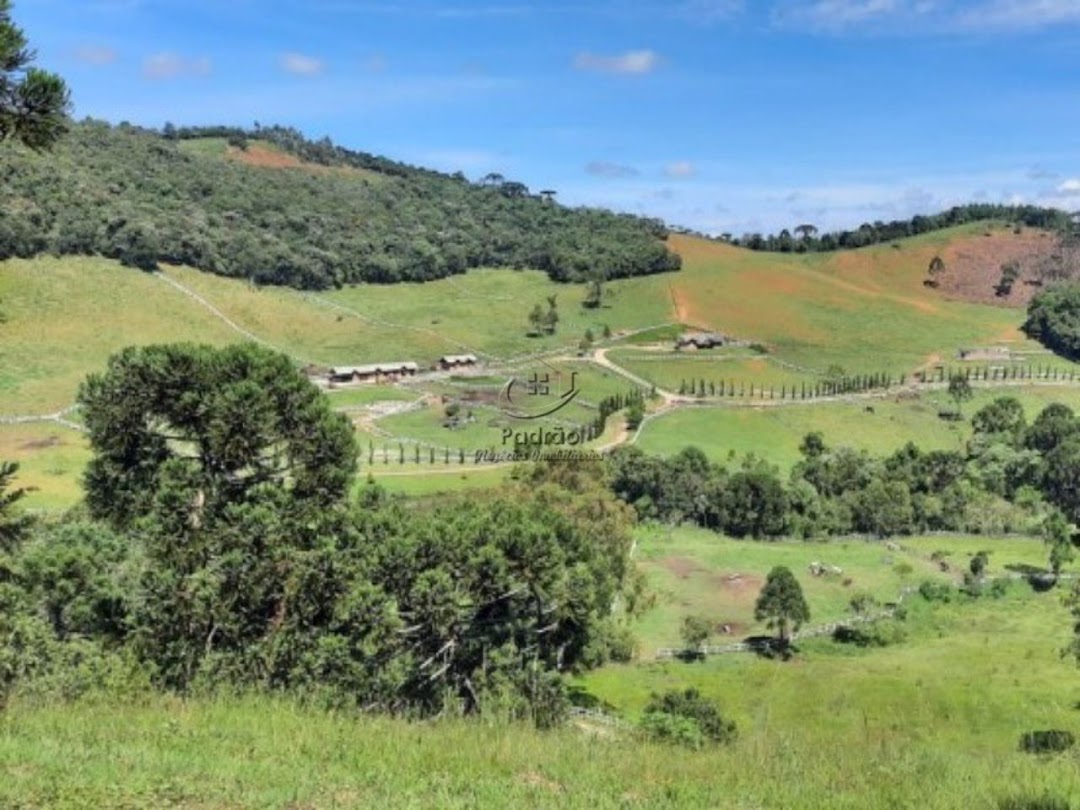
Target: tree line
{"x": 1012, "y": 476}
{"x": 806, "y": 238}
{"x": 143, "y": 197}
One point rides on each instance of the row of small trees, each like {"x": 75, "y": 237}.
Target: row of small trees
{"x": 863, "y": 383}
{"x": 633, "y": 401}
{"x": 858, "y": 383}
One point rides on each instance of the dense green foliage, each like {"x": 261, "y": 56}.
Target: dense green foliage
{"x": 806, "y": 239}
{"x": 687, "y": 718}
{"x": 1054, "y": 319}
{"x": 204, "y": 428}
{"x": 222, "y": 549}
{"x": 1009, "y": 478}
{"x": 33, "y": 103}
{"x": 138, "y": 196}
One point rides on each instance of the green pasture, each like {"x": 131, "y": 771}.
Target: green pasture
{"x": 51, "y": 461}
{"x": 486, "y": 311}
{"x": 697, "y": 572}
{"x": 670, "y": 369}
{"x": 879, "y": 426}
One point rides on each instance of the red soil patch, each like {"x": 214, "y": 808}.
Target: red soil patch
{"x": 692, "y": 248}
{"x": 267, "y": 158}
{"x": 256, "y": 155}
{"x": 973, "y": 266}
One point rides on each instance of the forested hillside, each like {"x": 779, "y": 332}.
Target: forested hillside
{"x": 336, "y": 217}
{"x": 807, "y": 239}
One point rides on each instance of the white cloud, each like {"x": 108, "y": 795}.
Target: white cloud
{"x": 1013, "y": 14}
{"x": 709, "y": 11}
{"x": 168, "y": 65}
{"x": 300, "y": 65}
{"x": 603, "y": 168}
{"x": 629, "y": 63}
{"x": 834, "y": 14}
{"x": 680, "y": 170}
{"x": 1070, "y": 187}
{"x": 925, "y": 16}
{"x": 96, "y": 55}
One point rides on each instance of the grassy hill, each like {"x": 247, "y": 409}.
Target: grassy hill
{"x": 932, "y": 721}
{"x": 866, "y": 310}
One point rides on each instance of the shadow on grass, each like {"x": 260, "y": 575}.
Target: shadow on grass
{"x": 1044, "y": 802}
{"x": 581, "y": 698}
{"x": 771, "y": 647}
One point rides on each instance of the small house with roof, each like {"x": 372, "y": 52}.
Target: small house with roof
{"x": 373, "y": 372}
{"x": 452, "y": 361}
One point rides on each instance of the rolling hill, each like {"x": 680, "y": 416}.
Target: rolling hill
{"x": 866, "y": 310}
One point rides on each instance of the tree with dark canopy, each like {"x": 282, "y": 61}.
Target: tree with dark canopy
{"x": 34, "y": 104}
{"x": 223, "y": 420}
{"x": 781, "y": 603}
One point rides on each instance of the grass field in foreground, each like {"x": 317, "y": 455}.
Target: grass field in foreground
{"x": 774, "y": 433}
{"x": 931, "y": 723}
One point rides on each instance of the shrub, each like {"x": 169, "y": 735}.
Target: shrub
{"x": 935, "y": 591}
{"x": 686, "y": 718}
{"x": 873, "y": 634}
{"x": 1047, "y": 742}
{"x": 903, "y": 569}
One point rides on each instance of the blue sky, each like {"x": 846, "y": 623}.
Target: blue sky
{"x": 722, "y": 115}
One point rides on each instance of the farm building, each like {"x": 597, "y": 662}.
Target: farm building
{"x": 701, "y": 340}
{"x": 374, "y": 373}
{"x": 452, "y": 361}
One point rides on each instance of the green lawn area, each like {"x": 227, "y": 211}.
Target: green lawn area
{"x": 358, "y": 396}
{"x": 65, "y": 317}
{"x": 51, "y": 460}
{"x": 774, "y": 433}
{"x": 669, "y": 370}
{"x": 487, "y": 311}
{"x": 437, "y": 479}
{"x": 697, "y": 572}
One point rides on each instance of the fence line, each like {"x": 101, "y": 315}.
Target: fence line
{"x": 58, "y": 418}
{"x": 811, "y": 632}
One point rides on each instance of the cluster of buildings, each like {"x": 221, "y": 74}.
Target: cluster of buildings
{"x": 391, "y": 372}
